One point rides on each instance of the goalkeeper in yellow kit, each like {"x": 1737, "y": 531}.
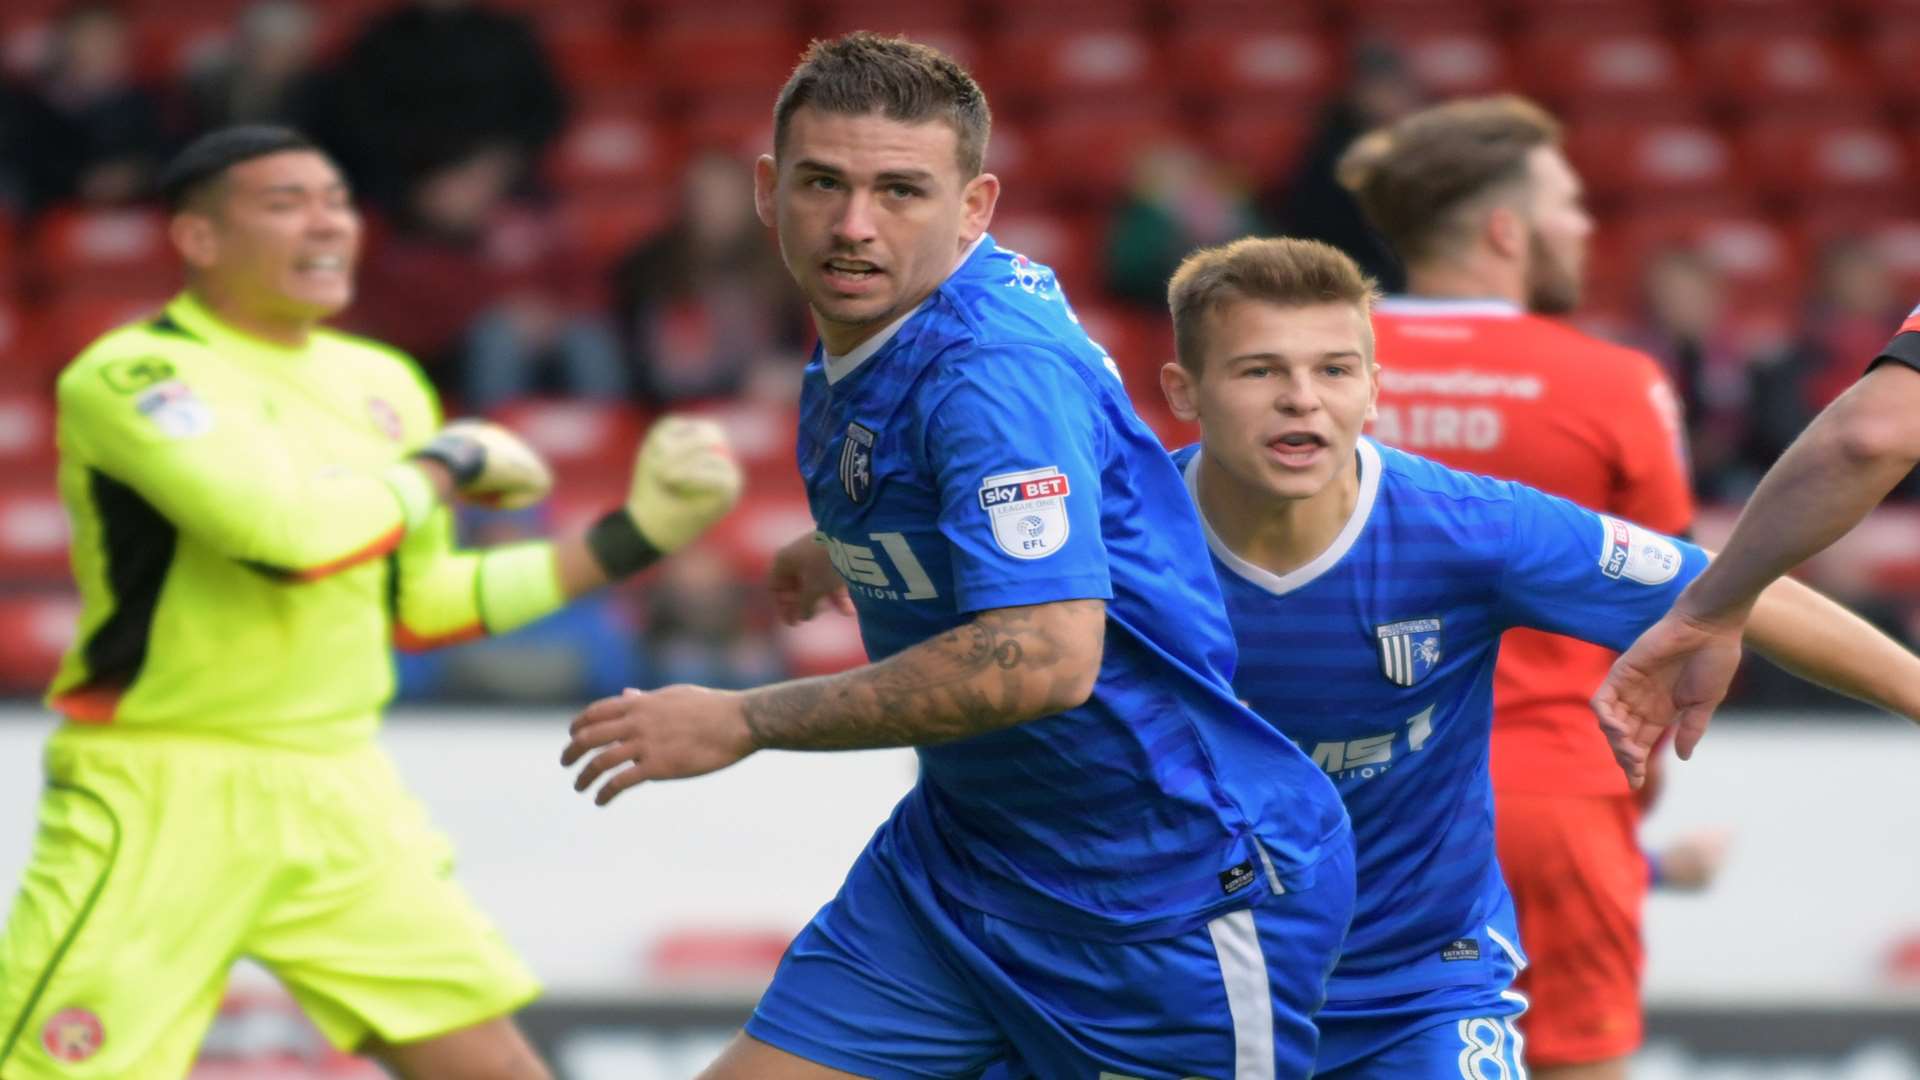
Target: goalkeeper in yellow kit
{"x": 259, "y": 515}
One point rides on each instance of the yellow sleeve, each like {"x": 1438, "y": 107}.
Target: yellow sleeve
{"x": 445, "y": 595}
{"x": 226, "y": 477}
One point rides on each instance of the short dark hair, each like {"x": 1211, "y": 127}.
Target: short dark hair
{"x": 205, "y": 160}
{"x": 1281, "y": 270}
{"x": 903, "y": 80}
{"x": 1413, "y": 176}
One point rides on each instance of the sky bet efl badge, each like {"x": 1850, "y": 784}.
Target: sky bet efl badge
{"x": 1409, "y": 650}
{"x": 1028, "y": 511}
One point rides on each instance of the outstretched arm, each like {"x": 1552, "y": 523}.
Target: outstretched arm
{"x": 1007, "y": 666}
{"x": 1678, "y": 672}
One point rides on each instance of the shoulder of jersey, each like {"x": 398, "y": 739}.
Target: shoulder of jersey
{"x": 380, "y": 365}
{"x": 142, "y": 351}
{"x": 1426, "y": 475}
{"x": 1011, "y": 303}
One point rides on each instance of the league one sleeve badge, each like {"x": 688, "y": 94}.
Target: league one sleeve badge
{"x": 1028, "y": 511}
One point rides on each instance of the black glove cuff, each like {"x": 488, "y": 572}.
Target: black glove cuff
{"x": 618, "y": 545}
{"x": 464, "y": 459}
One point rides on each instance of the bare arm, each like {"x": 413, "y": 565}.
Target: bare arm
{"x": 1824, "y": 643}
{"x": 1006, "y": 667}
{"x": 1837, "y": 470}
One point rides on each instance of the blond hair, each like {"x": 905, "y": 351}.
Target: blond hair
{"x": 1276, "y": 270}
{"x": 1412, "y": 178}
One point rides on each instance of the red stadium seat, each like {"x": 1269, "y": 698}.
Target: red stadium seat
{"x": 733, "y": 123}
{"x": 1455, "y": 62}
{"x": 170, "y": 47}
{"x": 698, "y": 57}
{"x": 1059, "y": 15}
{"x": 1250, "y": 16}
{"x": 824, "y": 645}
{"x": 1893, "y": 56}
{"x": 1259, "y": 140}
{"x": 33, "y": 533}
{"x": 592, "y": 56}
{"x": 71, "y": 320}
{"x": 1762, "y": 262}
{"x": 766, "y": 520}
{"x": 104, "y": 249}
{"x": 1085, "y": 153}
{"x": 1227, "y": 61}
{"x": 1591, "y": 16}
{"x": 933, "y": 21}
{"x": 1774, "y": 16}
{"x": 603, "y": 227}
{"x": 1086, "y": 62}
{"x": 1811, "y": 160}
{"x": 1392, "y": 17}
{"x": 577, "y": 435}
{"x": 38, "y": 627}
{"x": 615, "y": 148}
{"x": 1895, "y": 237}
{"x": 26, "y": 436}
{"x": 1666, "y": 159}
{"x": 1765, "y": 73}
{"x": 762, "y": 434}
{"x": 1610, "y": 72}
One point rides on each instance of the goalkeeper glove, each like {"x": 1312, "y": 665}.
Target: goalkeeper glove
{"x": 684, "y": 480}
{"x": 490, "y": 465}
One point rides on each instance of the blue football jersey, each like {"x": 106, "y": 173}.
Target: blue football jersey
{"x": 981, "y": 453}
{"x": 1377, "y": 658}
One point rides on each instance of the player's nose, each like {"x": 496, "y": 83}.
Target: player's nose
{"x": 855, "y": 224}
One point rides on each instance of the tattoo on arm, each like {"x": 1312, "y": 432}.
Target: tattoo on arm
{"x": 1005, "y": 667}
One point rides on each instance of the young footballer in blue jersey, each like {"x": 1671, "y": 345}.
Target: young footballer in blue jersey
{"x": 1368, "y": 589}
{"x": 1110, "y": 867}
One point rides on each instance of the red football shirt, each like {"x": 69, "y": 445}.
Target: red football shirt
{"x": 1483, "y": 386}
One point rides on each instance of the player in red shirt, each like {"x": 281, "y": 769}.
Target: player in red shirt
{"x": 1482, "y": 207}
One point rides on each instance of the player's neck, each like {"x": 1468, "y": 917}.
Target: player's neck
{"x": 1466, "y": 279}
{"x": 1277, "y": 535}
{"x": 286, "y": 333}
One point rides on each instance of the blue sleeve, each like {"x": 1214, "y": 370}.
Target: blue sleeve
{"x": 1015, "y": 446}
{"x": 1586, "y": 575}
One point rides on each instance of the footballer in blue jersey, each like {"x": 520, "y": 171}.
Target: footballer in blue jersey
{"x": 1368, "y": 589}
{"x": 1110, "y": 866}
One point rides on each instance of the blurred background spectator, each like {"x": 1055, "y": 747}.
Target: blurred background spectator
{"x": 1683, "y": 325}
{"x": 706, "y": 307}
{"x": 1179, "y": 200}
{"x": 266, "y": 75}
{"x": 98, "y": 136}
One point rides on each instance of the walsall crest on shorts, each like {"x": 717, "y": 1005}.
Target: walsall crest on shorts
{"x": 856, "y": 463}
{"x": 1409, "y": 650}
{"x": 72, "y": 1035}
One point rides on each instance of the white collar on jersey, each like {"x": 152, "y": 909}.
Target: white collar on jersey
{"x": 1489, "y": 307}
{"x": 839, "y": 367}
{"x": 1282, "y": 584}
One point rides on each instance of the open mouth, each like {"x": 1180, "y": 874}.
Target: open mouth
{"x": 851, "y": 271}
{"x": 320, "y": 264}
{"x": 1298, "y": 448}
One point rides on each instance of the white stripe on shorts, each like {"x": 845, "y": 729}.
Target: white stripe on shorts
{"x": 1243, "y": 968}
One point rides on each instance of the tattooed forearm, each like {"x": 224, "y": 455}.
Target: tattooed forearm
{"x": 1007, "y": 666}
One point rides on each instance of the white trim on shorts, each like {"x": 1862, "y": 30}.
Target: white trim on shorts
{"x": 1243, "y": 970}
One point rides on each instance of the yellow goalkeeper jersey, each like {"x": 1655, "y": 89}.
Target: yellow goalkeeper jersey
{"x": 245, "y": 565}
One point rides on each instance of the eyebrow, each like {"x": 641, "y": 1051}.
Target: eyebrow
{"x": 300, "y": 189}
{"x": 916, "y": 176}
{"x": 1335, "y": 355}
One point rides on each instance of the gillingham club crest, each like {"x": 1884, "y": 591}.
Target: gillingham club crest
{"x": 856, "y": 463}
{"x": 1409, "y": 650}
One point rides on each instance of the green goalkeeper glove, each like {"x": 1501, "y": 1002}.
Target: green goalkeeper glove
{"x": 684, "y": 480}
{"x": 490, "y": 465}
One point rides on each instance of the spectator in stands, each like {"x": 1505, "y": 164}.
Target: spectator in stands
{"x": 1311, "y": 203}
{"x": 98, "y": 134}
{"x": 487, "y": 291}
{"x": 705, "y": 308}
{"x": 438, "y": 80}
{"x": 1853, "y": 302}
{"x": 1178, "y": 201}
{"x": 1683, "y": 325}
{"x": 19, "y": 124}
{"x": 267, "y": 76}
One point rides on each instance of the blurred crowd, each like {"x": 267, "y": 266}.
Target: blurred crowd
{"x": 560, "y": 209}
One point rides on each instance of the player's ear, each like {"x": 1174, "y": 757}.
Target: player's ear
{"x": 1373, "y": 391}
{"x": 193, "y": 237}
{"x": 1506, "y": 232}
{"x": 977, "y": 200}
{"x": 766, "y": 176}
{"x": 1177, "y": 383}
